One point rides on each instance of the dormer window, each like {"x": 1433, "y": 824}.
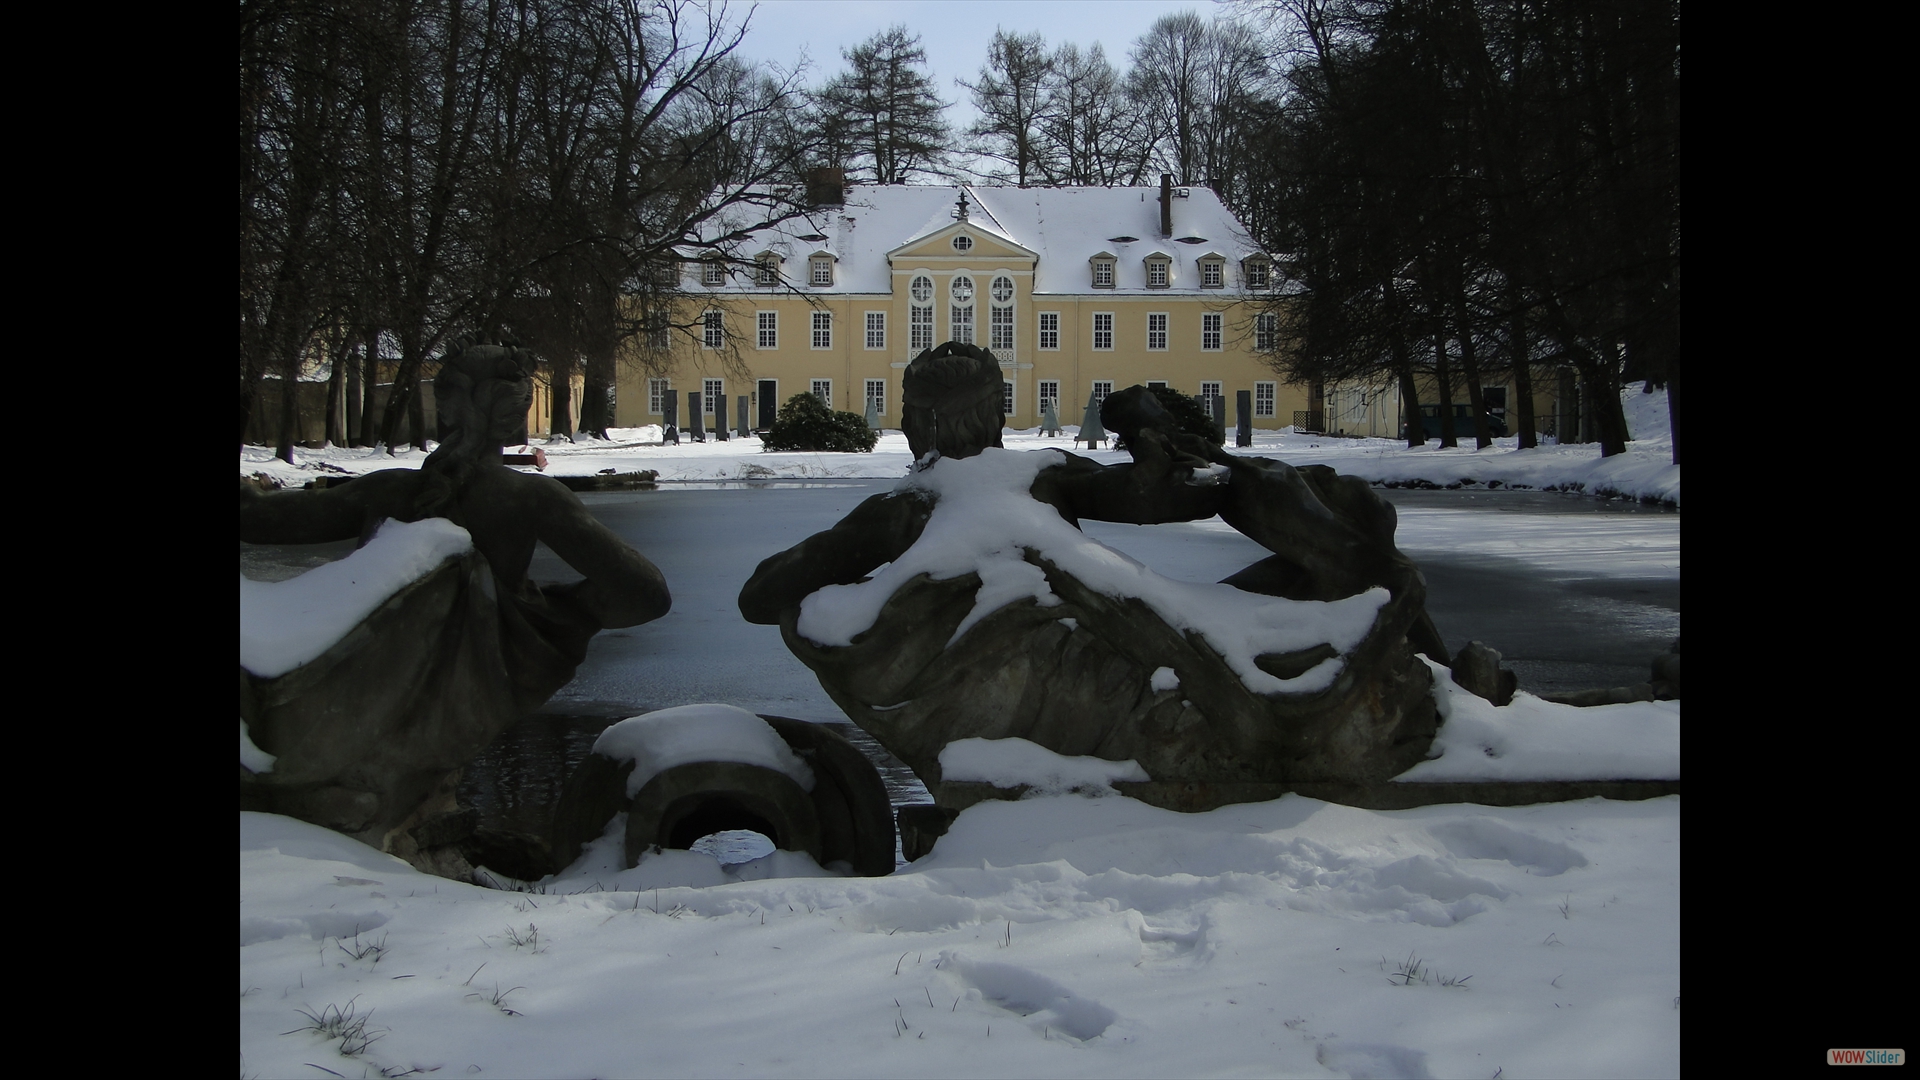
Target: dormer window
{"x": 666, "y": 272}
{"x": 1159, "y": 269}
{"x": 1213, "y": 273}
{"x": 1257, "y": 273}
{"x": 767, "y": 270}
{"x": 822, "y": 270}
{"x": 963, "y": 243}
{"x": 713, "y": 272}
{"x": 1103, "y": 273}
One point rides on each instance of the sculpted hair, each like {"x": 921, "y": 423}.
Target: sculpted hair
{"x": 473, "y": 379}
{"x": 951, "y": 400}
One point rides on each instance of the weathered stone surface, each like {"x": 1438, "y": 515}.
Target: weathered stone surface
{"x": 845, "y": 818}
{"x": 1077, "y": 677}
{"x": 1477, "y": 668}
{"x": 367, "y": 735}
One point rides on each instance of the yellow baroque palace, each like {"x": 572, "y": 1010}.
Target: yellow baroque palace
{"x": 1077, "y": 292}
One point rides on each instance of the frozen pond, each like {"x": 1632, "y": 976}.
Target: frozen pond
{"x": 1576, "y": 592}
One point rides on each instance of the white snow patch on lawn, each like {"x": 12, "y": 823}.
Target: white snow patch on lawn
{"x": 284, "y": 624}
{"x": 1532, "y": 739}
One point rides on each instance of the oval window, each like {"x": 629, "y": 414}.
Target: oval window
{"x": 922, "y": 290}
{"x": 1002, "y": 290}
{"x": 962, "y": 289}
{"x": 963, "y": 243}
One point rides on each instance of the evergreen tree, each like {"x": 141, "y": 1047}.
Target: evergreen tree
{"x": 882, "y": 112}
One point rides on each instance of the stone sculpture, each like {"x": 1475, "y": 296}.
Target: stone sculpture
{"x": 369, "y": 738}
{"x": 1082, "y": 668}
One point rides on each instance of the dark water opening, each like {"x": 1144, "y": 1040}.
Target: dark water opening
{"x": 517, "y": 780}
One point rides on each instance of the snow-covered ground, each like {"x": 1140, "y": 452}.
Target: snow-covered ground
{"x": 1645, "y": 471}
{"x": 1065, "y": 934}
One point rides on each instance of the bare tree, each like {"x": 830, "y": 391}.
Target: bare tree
{"x": 1017, "y": 94}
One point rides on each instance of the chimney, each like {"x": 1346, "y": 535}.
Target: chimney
{"x": 826, "y": 187}
{"x": 1166, "y": 204}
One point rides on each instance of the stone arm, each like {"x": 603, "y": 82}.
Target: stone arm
{"x": 315, "y": 517}
{"x": 877, "y": 532}
{"x": 1153, "y": 490}
{"x": 620, "y": 587}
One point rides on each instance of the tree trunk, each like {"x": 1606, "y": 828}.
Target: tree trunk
{"x": 1522, "y": 382}
{"x": 1409, "y": 394}
{"x": 560, "y": 420}
{"x": 289, "y": 417}
{"x": 1443, "y": 388}
{"x": 417, "y": 417}
{"x": 596, "y": 401}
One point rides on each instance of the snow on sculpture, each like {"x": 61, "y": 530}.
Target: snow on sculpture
{"x": 966, "y": 604}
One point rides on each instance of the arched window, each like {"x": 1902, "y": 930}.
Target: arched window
{"x": 962, "y": 322}
{"x": 920, "y": 313}
{"x": 1002, "y": 317}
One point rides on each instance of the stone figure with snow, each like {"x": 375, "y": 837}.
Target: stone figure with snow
{"x": 366, "y": 683}
{"x": 967, "y": 604}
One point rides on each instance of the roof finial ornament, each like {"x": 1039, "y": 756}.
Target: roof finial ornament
{"x": 963, "y": 204}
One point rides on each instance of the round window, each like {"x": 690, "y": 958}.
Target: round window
{"x": 1002, "y": 290}
{"x": 922, "y": 290}
{"x": 963, "y": 243}
{"x": 962, "y": 289}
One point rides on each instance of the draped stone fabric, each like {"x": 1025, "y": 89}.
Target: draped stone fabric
{"x": 1078, "y": 677}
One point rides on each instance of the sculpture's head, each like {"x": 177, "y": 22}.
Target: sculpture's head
{"x": 482, "y": 395}
{"x": 951, "y": 401}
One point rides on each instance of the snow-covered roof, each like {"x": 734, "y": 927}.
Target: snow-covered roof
{"x": 1062, "y": 227}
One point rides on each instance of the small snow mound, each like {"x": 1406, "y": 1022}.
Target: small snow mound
{"x": 252, "y": 758}
{"x": 1009, "y": 763}
{"x": 658, "y": 741}
{"x": 284, "y": 624}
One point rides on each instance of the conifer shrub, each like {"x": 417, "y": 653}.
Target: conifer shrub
{"x": 805, "y": 423}
{"x": 1191, "y": 414}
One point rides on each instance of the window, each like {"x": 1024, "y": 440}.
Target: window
{"x": 1257, "y": 275}
{"x": 1210, "y": 332}
{"x": 657, "y": 333}
{"x": 822, "y": 271}
{"x": 1156, "y": 273}
{"x": 823, "y": 389}
{"x": 713, "y": 272}
{"x": 666, "y": 272}
{"x": 920, "y": 315}
{"x": 1103, "y": 273}
{"x": 1050, "y": 395}
{"x": 767, "y": 272}
{"x": 1006, "y": 398}
{"x": 769, "y": 329}
{"x": 1001, "y": 339}
{"x": 962, "y": 308}
{"x": 1157, "y": 330}
{"x": 715, "y": 391}
{"x": 658, "y": 389}
{"x": 1263, "y": 399}
{"x": 1266, "y": 327}
{"x": 1103, "y": 331}
{"x": 712, "y": 336}
{"x": 822, "y": 330}
{"x": 1101, "y": 389}
{"x": 1050, "y": 330}
{"x": 1212, "y": 274}
{"x": 877, "y": 396}
{"x": 876, "y": 329}
{"x": 963, "y": 243}
{"x": 1209, "y": 391}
